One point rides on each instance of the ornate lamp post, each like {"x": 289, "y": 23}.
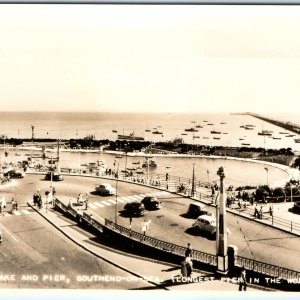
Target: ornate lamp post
{"x": 221, "y": 237}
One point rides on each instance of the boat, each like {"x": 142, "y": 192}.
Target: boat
{"x": 151, "y": 163}
{"x": 131, "y": 168}
{"x": 168, "y": 167}
{"x": 249, "y": 125}
{"x": 139, "y": 171}
{"x": 199, "y": 126}
{"x": 157, "y": 132}
{"x": 184, "y": 134}
{"x": 276, "y": 138}
{"x": 191, "y": 130}
{"x": 245, "y": 144}
{"x": 114, "y": 130}
{"x": 205, "y": 121}
{"x": 265, "y": 132}
{"x": 210, "y": 124}
{"x": 222, "y": 123}
{"x": 248, "y": 128}
{"x": 148, "y": 130}
{"x": 241, "y": 139}
{"x": 282, "y": 132}
{"x": 136, "y": 162}
{"x": 206, "y": 137}
{"x": 215, "y": 132}
{"x": 193, "y": 121}
{"x": 297, "y": 140}
{"x": 242, "y": 126}
{"x": 216, "y": 138}
{"x": 225, "y": 132}
{"x": 290, "y": 135}
{"x": 196, "y": 137}
{"x": 130, "y": 137}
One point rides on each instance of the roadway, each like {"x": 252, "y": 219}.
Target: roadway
{"x": 170, "y": 223}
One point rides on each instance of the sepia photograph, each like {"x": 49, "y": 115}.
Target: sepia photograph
{"x": 149, "y": 148}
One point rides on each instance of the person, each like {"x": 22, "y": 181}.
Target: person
{"x": 86, "y": 200}
{"x": 35, "y": 198}
{"x": 256, "y": 214}
{"x": 2, "y": 202}
{"x": 14, "y": 205}
{"x": 271, "y": 210}
{"x": 79, "y": 199}
{"x": 261, "y": 213}
{"x": 0, "y": 236}
{"x": 243, "y": 280}
{"x": 188, "y": 251}
{"x": 189, "y": 266}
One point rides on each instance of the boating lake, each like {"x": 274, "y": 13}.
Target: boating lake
{"x": 237, "y": 172}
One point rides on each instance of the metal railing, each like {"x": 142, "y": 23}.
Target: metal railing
{"x": 267, "y": 269}
{"x": 197, "y": 255}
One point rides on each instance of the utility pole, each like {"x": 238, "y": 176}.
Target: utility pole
{"x": 221, "y": 237}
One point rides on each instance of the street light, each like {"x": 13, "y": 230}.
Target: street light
{"x": 116, "y": 214}
{"x": 267, "y": 170}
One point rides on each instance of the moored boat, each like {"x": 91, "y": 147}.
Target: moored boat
{"x": 130, "y": 137}
{"x": 191, "y": 130}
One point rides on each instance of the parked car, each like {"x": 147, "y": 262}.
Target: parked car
{"x": 14, "y": 174}
{"x": 296, "y": 208}
{"x": 207, "y": 224}
{"x": 197, "y": 209}
{"x": 105, "y": 189}
{"x": 134, "y": 209}
{"x": 151, "y": 203}
{"x": 55, "y": 176}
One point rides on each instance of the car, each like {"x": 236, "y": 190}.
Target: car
{"x": 197, "y": 209}
{"x": 105, "y": 189}
{"x": 296, "y": 208}
{"x": 151, "y": 203}
{"x": 14, "y": 174}
{"x": 207, "y": 224}
{"x": 134, "y": 209}
{"x": 55, "y": 176}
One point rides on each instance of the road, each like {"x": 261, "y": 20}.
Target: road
{"x": 253, "y": 240}
{"x": 34, "y": 254}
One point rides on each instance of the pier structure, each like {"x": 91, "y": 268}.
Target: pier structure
{"x": 286, "y": 125}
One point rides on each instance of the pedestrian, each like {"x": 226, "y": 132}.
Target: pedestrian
{"x": 271, "y": 210}
{"x": 261, "y": 213}
{"x": 79, "y": 199}
{"x": 188, "y": 251}
{"x": 256, "y": 213}
{"x": 86, "y": 201}
{"x": 167, "y": 176}
{"x": 242, "y": 280}
{"x": 189, "y": 266}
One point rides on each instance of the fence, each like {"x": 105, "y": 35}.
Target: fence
{"x": 267, "y": 269}
{"x": 197, "y": 256}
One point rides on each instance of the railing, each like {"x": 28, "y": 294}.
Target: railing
{"x": 267, "y": 269}
{"x": 199, "y": 256}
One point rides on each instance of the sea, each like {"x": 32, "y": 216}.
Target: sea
{"x": 67, "y": 125}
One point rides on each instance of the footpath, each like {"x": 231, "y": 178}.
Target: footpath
{"x": 163, "y": 276}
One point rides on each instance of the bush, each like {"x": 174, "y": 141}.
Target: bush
{"x": 262, "y": 192}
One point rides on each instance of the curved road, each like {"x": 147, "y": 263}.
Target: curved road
{"x": 170, "y": 223}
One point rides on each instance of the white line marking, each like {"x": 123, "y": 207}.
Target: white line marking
{"x": 25, "y": 212}
{"x": 121, "y": 200}
{"x": 92, "y": 206}
{"x": 16, "y": 212}
{"x": 10, "y": 233}
{"x": 112, "y": 201}
{"x": 98, "y": 204}
{"x": 106, "y": 203}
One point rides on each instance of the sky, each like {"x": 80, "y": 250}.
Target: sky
{"x": 141, "y": 58}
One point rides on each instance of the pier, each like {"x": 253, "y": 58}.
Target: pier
{"x": 286, "y": 125}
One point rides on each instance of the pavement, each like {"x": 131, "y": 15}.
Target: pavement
{"x": 163, "y": 276}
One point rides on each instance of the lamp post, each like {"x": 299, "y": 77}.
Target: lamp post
{"x": 125, "y": 148}
{"x": 193, "y": 182}
{"x": 116, "y": 210}
{"x": 267, "y": 170}
{"x": 221, "y": 236}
